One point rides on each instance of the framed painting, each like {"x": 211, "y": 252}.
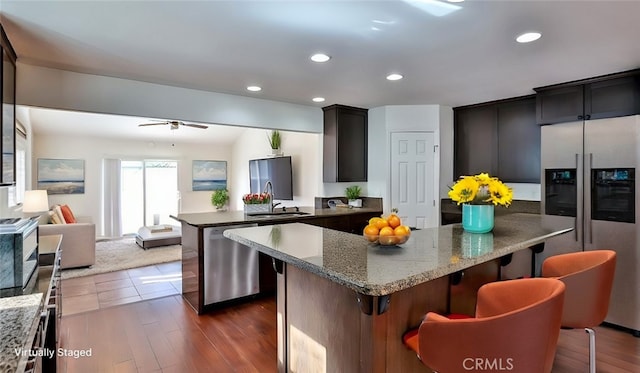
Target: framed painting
{"x": 209, "y": 175}
{"x": 61, "y": 176}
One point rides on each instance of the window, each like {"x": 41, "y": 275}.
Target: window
{"x": 149, "y": 193}
{"x": 16, "y": 193}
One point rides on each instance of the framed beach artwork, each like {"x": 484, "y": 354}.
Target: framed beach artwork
{"x": 209, "y": 175}
{"x": 61, "y": 176}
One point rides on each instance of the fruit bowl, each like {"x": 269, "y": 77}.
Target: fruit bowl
{"x": 387, "y": 240}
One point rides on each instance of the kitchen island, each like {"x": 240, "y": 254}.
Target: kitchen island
{"x": 343, "y": 303}
{"x": 215, "y": 272}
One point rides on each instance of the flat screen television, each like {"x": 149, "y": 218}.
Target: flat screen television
{"x": 277, "y": 170}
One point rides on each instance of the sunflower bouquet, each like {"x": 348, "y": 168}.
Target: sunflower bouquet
{"x": 481, "y": 189}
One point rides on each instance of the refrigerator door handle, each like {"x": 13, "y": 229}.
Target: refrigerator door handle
{"x": 575, "y": 220}
{"x": 588, "y": 174}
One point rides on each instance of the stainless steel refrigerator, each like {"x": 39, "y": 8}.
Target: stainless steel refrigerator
{"x": 588, "y": 179}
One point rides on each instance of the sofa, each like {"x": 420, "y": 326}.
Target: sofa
{"x": 78, "y": 242}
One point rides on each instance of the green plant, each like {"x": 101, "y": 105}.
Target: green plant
{"x": 219, "y": 198}
{"x": 353, "y": 192}
{"x": 275, "y": 140}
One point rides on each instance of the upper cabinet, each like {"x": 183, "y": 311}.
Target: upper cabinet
{"x": 344, "y": 144}
{"x": 607, "y": 96}
{"x": 501, "y": 138}
{"x": 8, "y": 121}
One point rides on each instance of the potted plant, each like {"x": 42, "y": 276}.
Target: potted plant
{"x": 275, "y": 141}
{"x": 478, "y": 194}
{"x": 219, "y": 198}
{"x": 353, "y": 195}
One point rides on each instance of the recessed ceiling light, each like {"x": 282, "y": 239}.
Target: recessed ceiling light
{"x": 528, "y": 37}
{"x": 455, "y": 1}
{"x": 394, "y": 77}
{"x": 318, "y": 99}
{"x": 320, "y": 57}
{"x": 254, "y": 88}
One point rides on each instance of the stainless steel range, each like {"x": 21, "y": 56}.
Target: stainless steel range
{"x": 589, "y": 179}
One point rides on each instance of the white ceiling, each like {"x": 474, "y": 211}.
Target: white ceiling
{"x": 466, "y": 56}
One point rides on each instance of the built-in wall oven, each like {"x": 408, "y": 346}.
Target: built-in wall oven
{"x": 589, "y": 171}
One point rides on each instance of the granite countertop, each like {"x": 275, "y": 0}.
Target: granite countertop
{"x": 18, "y": 325}
{"x": 370, "y": 269}
{"x": 212, "y": 219}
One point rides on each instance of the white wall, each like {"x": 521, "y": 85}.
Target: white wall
{"x": 92, "y": 150}
{"x": 60, "y": 89}
{"x": 306, "y": 155}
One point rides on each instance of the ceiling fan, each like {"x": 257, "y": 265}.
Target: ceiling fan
{"x": 175, "y": 124}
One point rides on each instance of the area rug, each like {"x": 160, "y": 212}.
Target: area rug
{"x": 121, "y": 254}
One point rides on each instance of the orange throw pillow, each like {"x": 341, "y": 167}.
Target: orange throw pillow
{"x": 67, "y": 214}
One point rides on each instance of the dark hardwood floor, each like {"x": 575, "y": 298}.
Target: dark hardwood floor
{"x": 165, "y": 335}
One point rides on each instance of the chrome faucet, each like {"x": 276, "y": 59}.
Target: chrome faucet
{"x": 268, "y": 188}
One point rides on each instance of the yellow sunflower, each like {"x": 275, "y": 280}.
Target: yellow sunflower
{"x": 499, "y": 193}
{"x": 464, "y": 190}
{"x": 481, "y": 189}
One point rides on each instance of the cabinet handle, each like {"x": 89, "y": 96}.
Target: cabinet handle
{"x": 587, "y": 117}
{"x": 580, "y": 117}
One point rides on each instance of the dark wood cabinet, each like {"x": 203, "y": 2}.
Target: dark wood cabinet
{"x": 350, "y": 223}
{"x": 518, "y": 142}
{"x": 476, "y": 140}
{"x": 8, "y": 123}
{"x": 607, "y": 96}
{"x": 501, "y": 138}
{"x": 345, "y": 144}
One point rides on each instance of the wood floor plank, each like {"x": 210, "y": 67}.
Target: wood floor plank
{"x": 166, "y": 335}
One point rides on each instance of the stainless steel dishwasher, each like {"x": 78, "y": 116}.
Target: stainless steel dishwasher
{"x": 230, "y": 268}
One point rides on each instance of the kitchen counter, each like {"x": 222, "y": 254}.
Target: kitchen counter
{"x": 368, "y": 269}
{"x": 343, "y": 304}
{"x": 207, "y": 255}
{"x": 19, "y": 318}
{"x": 217, "y": 219}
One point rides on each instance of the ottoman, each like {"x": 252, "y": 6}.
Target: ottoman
{"x": 155, "y": 236}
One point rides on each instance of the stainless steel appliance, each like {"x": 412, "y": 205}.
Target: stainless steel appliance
{"x": 588, "y": 179}
{"x": 18, "y": 251}
{"x": 230, "y": 268}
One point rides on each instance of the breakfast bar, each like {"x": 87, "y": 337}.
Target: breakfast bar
{"x": 344, "y": 303}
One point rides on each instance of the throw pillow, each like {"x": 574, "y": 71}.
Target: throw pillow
{"x": 67, "y": 214}
{"x": 58, "y": 211}
{"x": 53, "y": 217}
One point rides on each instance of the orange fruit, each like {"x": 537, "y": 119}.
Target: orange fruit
{"x": 386, "y": 231}
{"x": 371, "y": 230}
{"x": 394, "y": 221}
{"x": 401, "y": 230}
{"x": 379, "y": 222}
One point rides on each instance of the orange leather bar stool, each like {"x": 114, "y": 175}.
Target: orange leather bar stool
{"x": 515, "y": 328}
{"x": 588, "y": 276}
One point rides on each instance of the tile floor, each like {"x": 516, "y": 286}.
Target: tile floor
{"x": 90, "y": 293}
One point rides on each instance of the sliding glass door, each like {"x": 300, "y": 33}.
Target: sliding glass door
{"x": 149, "y": 193}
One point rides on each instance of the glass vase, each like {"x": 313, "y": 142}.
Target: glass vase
{"x": 477, "y": 218}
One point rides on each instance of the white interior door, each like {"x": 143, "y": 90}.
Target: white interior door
{"x": 413, "y": 178}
